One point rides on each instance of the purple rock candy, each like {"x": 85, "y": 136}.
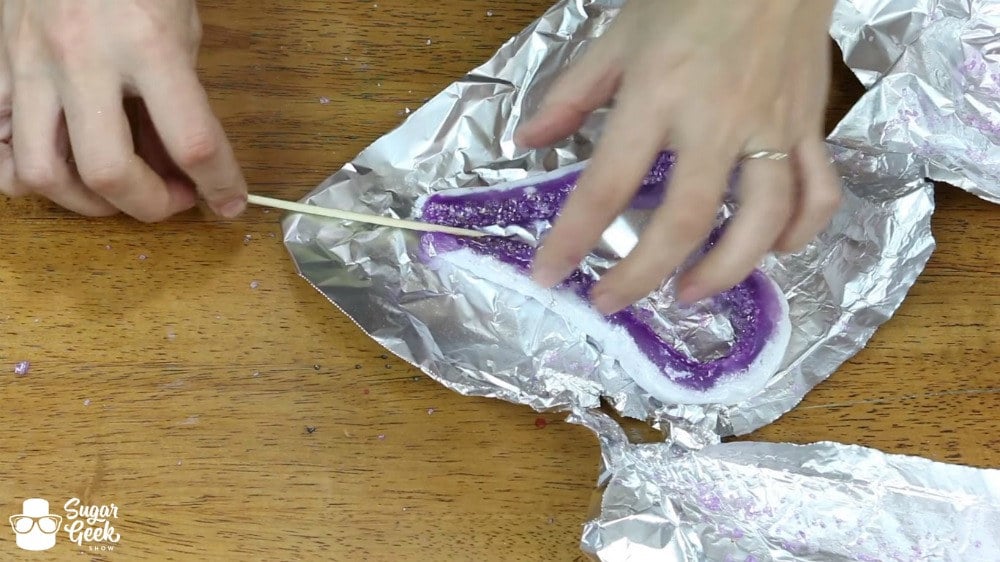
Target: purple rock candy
{"x": 21, "y": 368}
{"x": 756, "y": 310}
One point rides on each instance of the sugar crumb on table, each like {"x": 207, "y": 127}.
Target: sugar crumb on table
{"x": 21, "y": 368}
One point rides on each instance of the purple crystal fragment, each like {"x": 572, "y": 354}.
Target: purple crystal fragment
{"x": 539, "y": 198}
{"x": 654, "y": 185}
{"x": 518, "y": 205}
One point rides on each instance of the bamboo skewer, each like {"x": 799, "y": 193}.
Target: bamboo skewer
{"x": 360, "y": 217}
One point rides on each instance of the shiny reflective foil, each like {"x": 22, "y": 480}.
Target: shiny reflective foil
{"x": 751, "y": 502}
{"x": 480, "y": 338}
{"x": 933, "y": 70}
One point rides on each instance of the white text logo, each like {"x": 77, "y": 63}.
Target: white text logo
{"x": 90, "y": 523}
{"x": 90, "y": 526}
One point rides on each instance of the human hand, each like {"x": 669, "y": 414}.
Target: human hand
{"x": 710, "y": 80}
{"x": 65, "y": 68}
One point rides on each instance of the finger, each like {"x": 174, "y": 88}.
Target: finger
{"x": 6, "y": 95}
{"x": 150, "y": 147}
{"x": 105, "y": 157}
{"x": 38, "y": 166}
{"x": 194, "y": 138}
{"x": 9, "y": 185}
{"x": 624, "y": 155}
{"x": 677, "y": 228}
{"x": 765, "y": 192}
{"x": 819, "y": 195}
{"x": 586, "y": 86}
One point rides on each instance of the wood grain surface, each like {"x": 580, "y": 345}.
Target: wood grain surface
{"x": 183, "y": 372}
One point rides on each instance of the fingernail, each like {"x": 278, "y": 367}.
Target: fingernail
{"x": 520, "y": 134}
{"x": 546, "y": 275}
{"x": 606, "y": 302}
{"x": 690, "y": 293}
{"x": 233, "y": 208}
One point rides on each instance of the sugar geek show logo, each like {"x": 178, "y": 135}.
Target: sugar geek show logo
{"x": 87, "y": 526}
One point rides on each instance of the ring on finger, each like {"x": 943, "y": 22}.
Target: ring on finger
{"x": 775, "y": 155}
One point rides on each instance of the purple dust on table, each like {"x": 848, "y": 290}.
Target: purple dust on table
{"x": 21, "y": 368}
{"x": 755, "y": 310}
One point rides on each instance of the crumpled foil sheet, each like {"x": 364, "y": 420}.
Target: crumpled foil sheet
{"x": 746, "y": 502}
{"x": 933, "y": 73}
{"x": 477, "y": 338}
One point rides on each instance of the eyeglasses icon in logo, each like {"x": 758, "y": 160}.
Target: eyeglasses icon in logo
{"x": 35, "y": 528}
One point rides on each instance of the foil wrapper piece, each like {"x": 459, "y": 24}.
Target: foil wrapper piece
{"x": 933, "y": 75}
{"x": 745, "y": 502}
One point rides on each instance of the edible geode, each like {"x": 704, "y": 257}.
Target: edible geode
{"x": 756, "y": 307}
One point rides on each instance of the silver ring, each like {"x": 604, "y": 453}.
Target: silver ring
{"x": 765, "y": 155}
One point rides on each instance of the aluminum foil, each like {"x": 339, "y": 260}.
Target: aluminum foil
{"x": 745, "y": 502}
{"x": 478, "y": 338}
{"x": 934, "y": 76}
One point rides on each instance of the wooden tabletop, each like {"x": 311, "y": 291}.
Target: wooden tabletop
{"x": 183, "y": 372}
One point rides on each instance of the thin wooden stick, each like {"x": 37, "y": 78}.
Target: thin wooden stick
{"x": 359, "y": 217}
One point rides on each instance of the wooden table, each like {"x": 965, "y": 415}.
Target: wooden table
{"x": 231, "y": 423}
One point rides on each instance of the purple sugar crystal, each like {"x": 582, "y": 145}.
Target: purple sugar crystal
{"x": 531, "y": 200}
{"x": 755, "y": 309}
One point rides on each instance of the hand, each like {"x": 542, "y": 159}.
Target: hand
{"x": 65, "y": 68}
{"x": 711, "y": 80}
